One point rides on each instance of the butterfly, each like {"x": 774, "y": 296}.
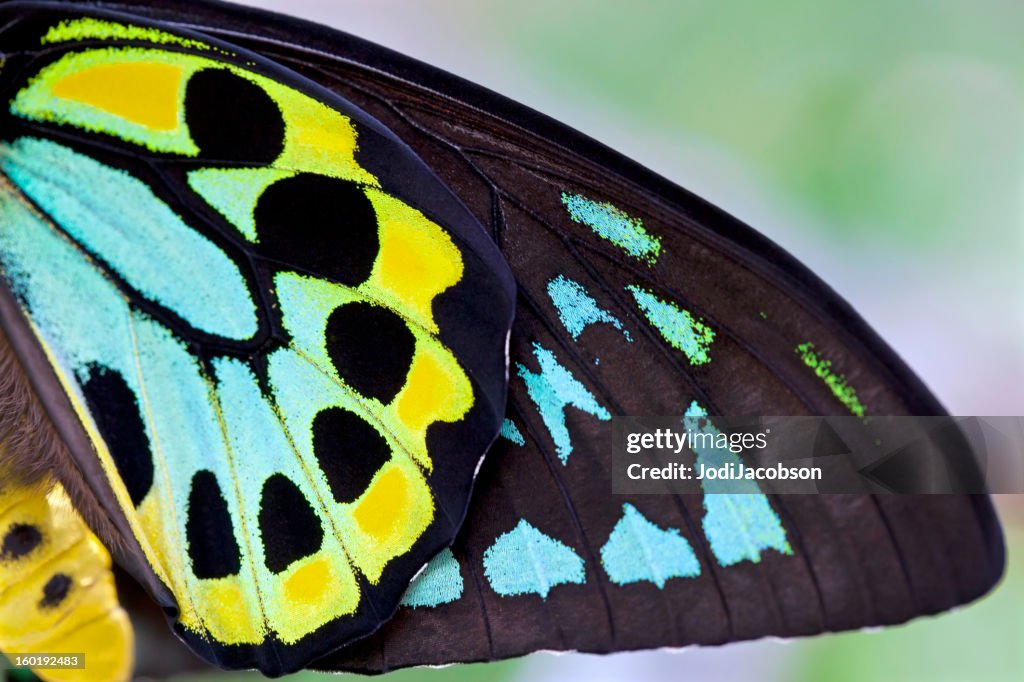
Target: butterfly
{"x": 330, "y": 342}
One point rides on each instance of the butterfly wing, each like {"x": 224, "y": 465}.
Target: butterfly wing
{"x": 635, "y": 297}
{"x": 272, "y": 339}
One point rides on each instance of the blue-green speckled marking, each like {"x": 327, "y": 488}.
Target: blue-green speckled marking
{"x": 439, "y": 583}
{"x": 577, "y": 309}
{"x": 677, "y": 326}
{"x": 302, "y": 389}
{"x": 252, "y": 427}
{"x": 192, "y": 421}
{"x": 142, "y": 239}
{"x": 526, "y": 561}
{"x": 738, "y": 526}
{"x": 637, "y": 550}
{"x": 86, "y": 324}
{"x": 235, "y": 191}
{"x": 510, "y": 432}
{"x": 612, "y": 223}
{"x": 302, "y": 376}
{"x": 80, "y": 314}
{"x": 554, "y": 389}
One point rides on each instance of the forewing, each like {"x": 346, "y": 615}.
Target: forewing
{"x": 267, "y": 332}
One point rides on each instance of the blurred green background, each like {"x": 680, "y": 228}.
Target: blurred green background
{"x": 881, "y": 143}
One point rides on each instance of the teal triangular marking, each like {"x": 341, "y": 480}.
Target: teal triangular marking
{"x": 526, "y": 561}
{"x": 577, "y": 309}
{"x": 612, "y": 223}
{"x": 439, "y": 583}
{"x": 677, "y": 326}
{"x": 637, "y": 550}
{"x": 738, "y": 526}
{"x": 510, "y": 432}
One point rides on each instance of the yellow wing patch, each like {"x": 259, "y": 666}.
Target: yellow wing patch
{"x": 138, "y": 95}
{"x": 93, "y": 90}
{"x": 144, "y": 93}
{"x": 417, "y": 260}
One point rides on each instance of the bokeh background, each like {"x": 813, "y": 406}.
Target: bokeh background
{"x": 881, "y": 143}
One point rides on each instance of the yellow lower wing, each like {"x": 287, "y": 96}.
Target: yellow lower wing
{"x": 57, "y": 591}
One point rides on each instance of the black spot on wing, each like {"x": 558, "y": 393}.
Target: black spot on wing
{"x": 349, "y": 450}
{"x": 115, "y": 410}
{"x": 232, "y": 119}
{"x": 211, "y": 540}
{"x": 19, "y": 540}
{"x": 322, "y": 225}
{"x": 371, "y": 348}
{"x": 55, "y": 591}
{"x": 289, "y": 528}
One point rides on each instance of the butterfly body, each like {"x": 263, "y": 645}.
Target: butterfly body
{"x": 58, "y": 591}
{"x": 245, "y": 135}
